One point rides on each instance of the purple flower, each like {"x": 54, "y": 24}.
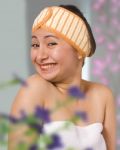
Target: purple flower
{"x": 23, "y": 118}
{"x": 82, "y": 115}
{"x": 33, "y": 147}
{"x": 56, "y": 142}
{"x": 37, "y": 126}
{"x": 13, "y": 119}
{"x": 89, "y": 148}
{"x": 19, "y": 79}
{"x": 34, "y": 120}
{"x": 9, "y": 118}
{"x": 42, "y": 113}
{"x": 40, "y": 116}
{"x": 74, "y": 91}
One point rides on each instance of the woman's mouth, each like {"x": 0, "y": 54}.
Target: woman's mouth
{"x": 47, "y": 66}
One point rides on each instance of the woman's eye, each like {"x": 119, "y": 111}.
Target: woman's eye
{"x": 35, "y": 45}
{"x": 52, "y": 44}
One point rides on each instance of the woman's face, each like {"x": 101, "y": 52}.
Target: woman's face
{"x": 54, "y": 59}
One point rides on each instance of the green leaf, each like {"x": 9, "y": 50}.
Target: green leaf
{"x": 22, "y": 146}
{"x": 4, "y": 128}
{"x": 8, "y": 83}
{"x": 30, "y": 132}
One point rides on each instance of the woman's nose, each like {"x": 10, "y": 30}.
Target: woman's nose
{"x": 42, "y": 54}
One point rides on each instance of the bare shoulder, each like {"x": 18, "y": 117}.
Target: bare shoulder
{"x": 36, "y": 81}
{"x": 103, "y": 90}
{"x": 31, "y": 95}
{"x": 104, "y": 101}
{"x": 99, "y": 91}
{"x": 35, "y": 78}
{"x": 35, "y": 85}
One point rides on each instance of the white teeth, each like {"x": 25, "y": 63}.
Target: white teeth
{"x": 47, "y": 66}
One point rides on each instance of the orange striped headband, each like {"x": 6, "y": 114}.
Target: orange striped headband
{"x": 67, "y": 25}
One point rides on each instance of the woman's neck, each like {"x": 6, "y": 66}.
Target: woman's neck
{"x": 72, "y": 80}
{"x": 65, "y": 85}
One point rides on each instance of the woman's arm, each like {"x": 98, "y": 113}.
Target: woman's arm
{"x": 27, "y": 99}
{"x": 109, "y": 129}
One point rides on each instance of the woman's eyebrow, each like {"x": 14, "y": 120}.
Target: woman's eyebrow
{"x": 33, "y": 36}
{"x": 47, "y": 36}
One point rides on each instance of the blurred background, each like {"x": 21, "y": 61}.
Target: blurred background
{"x": 16, "y": 18}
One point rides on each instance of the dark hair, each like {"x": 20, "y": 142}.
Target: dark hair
{"x": 75, "y": 10}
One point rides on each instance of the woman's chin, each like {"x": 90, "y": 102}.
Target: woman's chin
{"x": 49, "y": 76}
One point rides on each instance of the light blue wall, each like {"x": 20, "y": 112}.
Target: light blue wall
{"x": 13, "y": 47}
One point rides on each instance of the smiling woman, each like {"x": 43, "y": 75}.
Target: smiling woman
{"x": 61, "y": 40}
{"x": 49, "y": 54}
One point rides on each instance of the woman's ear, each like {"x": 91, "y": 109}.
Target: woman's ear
{"x": 79, "y": 56}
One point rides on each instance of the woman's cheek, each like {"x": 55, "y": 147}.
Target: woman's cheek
{"x": 33, "y": 56}
{"x": 57, "y": 54}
